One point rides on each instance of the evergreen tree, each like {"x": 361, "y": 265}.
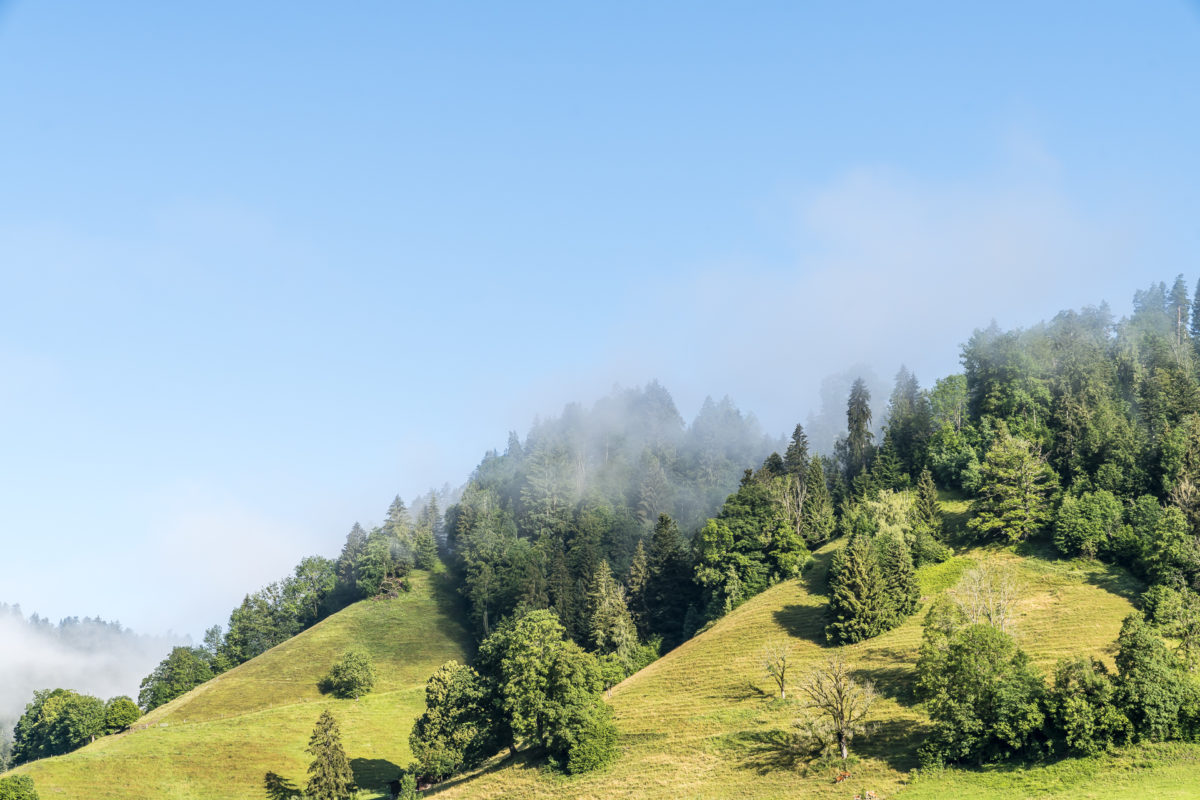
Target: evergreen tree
{"x": 329, "y": 774}
{"x": 857, "y": 599}
{"x": 795, "y": 458}
{"x": 347, "y": 563}
{"x": 858, "y": 425}
{"x": 1015, "y": 491}
{"x": 1177, "y": 307}
{"x": 398, "y": 523}
{"x": 887, "y": 472}
{"x": 610, "y": 627}
{"x": 927, "y": 512}
{"x": 1194, "y": 327}
{"x": 818, "y": 515}
{"x": 639, "y": 576}
{"x": 425, "y": 551}
{"x": 901, "y": 589}
{"x": 669, "y": 587}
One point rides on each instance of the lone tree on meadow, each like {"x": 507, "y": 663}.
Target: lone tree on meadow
{"x": 776, "y": 661}
{"x": 329, "y": 775}
{"x": 833, "y": 693}
{"x": 352, "y": 676}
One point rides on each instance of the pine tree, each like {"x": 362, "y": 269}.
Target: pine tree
{"x": 1014, "y": 492}
{"x": 901, "y": 589}
{"x": 329, "y": 774}
{"x": 398, "y": 523}
{"x": 856, "y": 593}
{"x": 927, "y": 510}
{"x": 1194, "y": 328}
{"x": 1177, "y": 306}
{"x": 610, "y": 627}
{"x": 795, "y": 458}
{"x": 818, "y": 516}
{"x": 669, "y": 586}
{"x": 858, "y": 425}
{"x": 639, "y": 575}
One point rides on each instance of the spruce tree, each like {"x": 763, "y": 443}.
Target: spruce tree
{"x": 425, "y": 553}
{"x": 639, "y": 575}
{"x": 927, "y": 510}
{"x": 1194, "y": 327}
{"x": 795, "y": 458}
{"x": 856, "y": 593}
{"x": 398, "y": 523}
{"x": 818, "y": 516}
{"x": 887, "y": 472}
{"x": 901, "y": 589}
{"x": 329, "y": 774}
{"x": 669, "y": 586}
{"x": 858, "y": 427}
{"x": 1177, "y": 307}
{"x": 610, "y": 627}
{"x": 1014, "y": 491}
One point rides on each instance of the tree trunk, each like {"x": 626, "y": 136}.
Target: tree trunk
{"x": 842, "y": 746}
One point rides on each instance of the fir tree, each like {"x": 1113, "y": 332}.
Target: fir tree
{"x": 1194, "y": 327}
{"x": 887, "y": 472}
{"x": 669, "y": 586}
{"x": 927, "y": 511}
{"x": 858, "y": 426}
{"x": 901, "y": 589}
{"x": 856, "y": 593}
{"x": 610, "y": 627}
{"x": 818, "y": 516}
{"x": 795, "y": 458}
{"x": 639, "y": 575}
{"x": 1015, "y": 491}
{"x": 398, "y": 523}
{"x": 329, "y": 775}
{"x": 1177, "y": 306}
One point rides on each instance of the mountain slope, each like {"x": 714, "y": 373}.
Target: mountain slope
{"x": 702, "y": 722}
{"x": 220, "y": 739}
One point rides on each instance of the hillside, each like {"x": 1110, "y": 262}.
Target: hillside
{"x": 702, "y": 722}
{"x": 220, "y": 739}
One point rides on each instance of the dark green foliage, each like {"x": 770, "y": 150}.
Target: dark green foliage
{"x": 1150, "y": 688}
{"x": 749, "y": 546}
{"x": 1014, "y": 495}
{"x": 17, "y": 787}
{"x": 669, "y": 588}
{"x": 329, "y": 774}
{"x": 456, "y": 732}
{"x": 818, "y": 518}
{"x": 1172, "y": 554}
{"x": 182, "y": 670}
{"x": 857, "y": 599}
{"x": 796, "y": 458}
{"x": 636, "y": 586}
{"x": 901, "y": 590}
{"x": 1082, "y": 706}
{"x": 1175, "y": 613}
{"x": 858, "y": 451}
{"x": 927, "y": 512}
{"x": 425, "y": 554}
{"x": 120, "y": 713}
{"x": 610, "y": 627}
{"x": 56, "y": 722}
{"x": 909, "y": 427}
{"x": 547, "y": 691}
{"x": 352, "y": 676}
{"x": 985, "y": 698}
{"x": 1085, "y": 525}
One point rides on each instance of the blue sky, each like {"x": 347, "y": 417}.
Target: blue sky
{"x": 265, "y": 265}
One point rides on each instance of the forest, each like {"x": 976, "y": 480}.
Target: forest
{"x": 610, "y": 535}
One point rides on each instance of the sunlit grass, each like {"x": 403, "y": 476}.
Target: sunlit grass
{"x": 219, "y": 740}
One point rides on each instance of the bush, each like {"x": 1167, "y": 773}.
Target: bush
{"x": 120, "y": 713}
{"x": 352, "y": 676}
{"x": 1083, "y": 707}
{"x": 17, "y": 787}
{"x": 590, "y": 738}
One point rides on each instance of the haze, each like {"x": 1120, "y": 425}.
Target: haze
{"x": 265, "y": 267}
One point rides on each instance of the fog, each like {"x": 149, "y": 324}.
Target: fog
{"x": 86, "y": 655}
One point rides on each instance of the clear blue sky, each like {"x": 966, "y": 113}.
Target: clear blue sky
{"x": 267, "y": 264}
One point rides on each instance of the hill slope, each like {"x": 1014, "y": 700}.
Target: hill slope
{"x": 702, "y": 722}
{"x": 220, "y": 739}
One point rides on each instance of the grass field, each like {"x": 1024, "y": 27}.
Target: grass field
{"x": 702, "y": 722}
{"x": 219, "y": 740}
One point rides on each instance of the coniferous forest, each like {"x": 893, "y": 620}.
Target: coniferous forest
{"x": 608, "y": 536}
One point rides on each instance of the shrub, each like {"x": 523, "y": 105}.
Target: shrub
{"x": 120, "y": 713}
{"x": 17, "y": 787}
{"x": 352, "y": 676}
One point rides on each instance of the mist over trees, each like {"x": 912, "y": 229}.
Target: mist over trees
{"x": 86, "y": 655}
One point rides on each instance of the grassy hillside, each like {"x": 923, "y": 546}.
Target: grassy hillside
{"x": 703, "y": 723}
{"x": 220, "y": 739}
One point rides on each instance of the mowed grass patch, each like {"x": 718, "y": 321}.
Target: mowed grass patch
{"x": 219, "y": 740}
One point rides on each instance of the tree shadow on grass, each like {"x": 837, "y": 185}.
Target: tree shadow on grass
{"x": 768, "y": 751}
{"x": 893, "y": 741}
{"x": 816, "y": 576}
{"x": 804, "y": 622}
{"x": 894, "y": 683}
{"x": 746, "y": 690}
{"x": 525, "y": 758}
{"x": 373, "y": 773}
{"x": 278, "y": 787}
